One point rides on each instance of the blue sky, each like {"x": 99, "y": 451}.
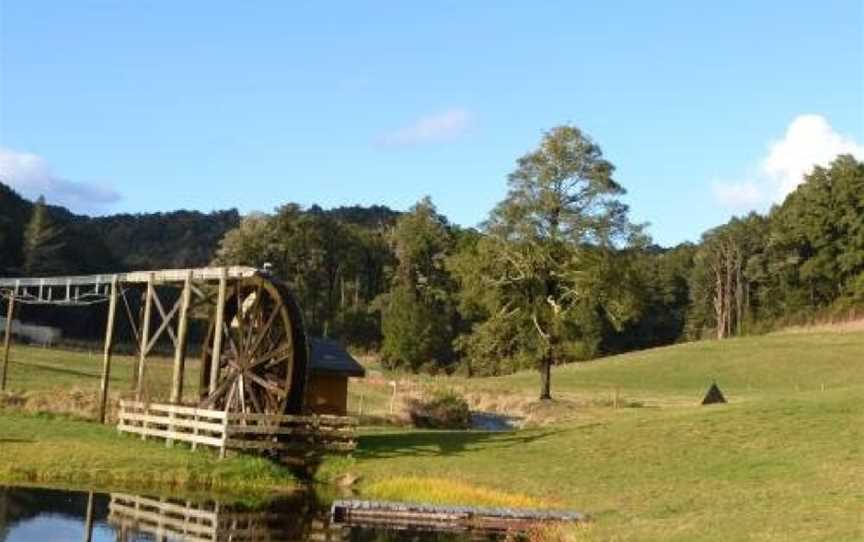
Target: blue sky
{"x": 706, "y": 108}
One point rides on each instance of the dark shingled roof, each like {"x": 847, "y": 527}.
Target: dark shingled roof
{"x": 329, "y": 357}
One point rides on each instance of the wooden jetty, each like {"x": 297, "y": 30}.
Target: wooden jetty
{"x": 396, "y": 515}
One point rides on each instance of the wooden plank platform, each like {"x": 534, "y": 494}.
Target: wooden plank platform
{"x": 397, "y": 515}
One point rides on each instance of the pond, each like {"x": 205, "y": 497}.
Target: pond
{"x": 52, "y": 515}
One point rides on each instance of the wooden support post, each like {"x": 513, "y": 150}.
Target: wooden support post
{"x": 145, "y": 336}
{"x": 109, "y": 347}
{"x": 7, "y": 341}
{"x": 217, "y": 331}
{"x": 180, "y": 347}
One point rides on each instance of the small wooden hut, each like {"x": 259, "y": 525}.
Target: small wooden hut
{"x": 330, "y": 368}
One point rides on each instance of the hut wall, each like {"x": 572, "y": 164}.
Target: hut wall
{"x": 327, "y": 394}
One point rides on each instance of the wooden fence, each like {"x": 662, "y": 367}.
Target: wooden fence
{"x": 233, "y": 431}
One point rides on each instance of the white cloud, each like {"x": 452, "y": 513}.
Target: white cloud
{"x": 809, "y": 141}
{"x": 738, "y": 194}
{"x": 440, "y": 127}
{"x": 32, "y": 176}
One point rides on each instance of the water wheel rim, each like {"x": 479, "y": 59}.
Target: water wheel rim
{"x": 259, "y": 371}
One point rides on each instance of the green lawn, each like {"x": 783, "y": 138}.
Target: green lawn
{"x": 782, "y": 461}
{"x": 39, "y": 369}
{"x": 45, "y": 449}
{"x": 37, "y": 447}
{"x": 746, "y": 368}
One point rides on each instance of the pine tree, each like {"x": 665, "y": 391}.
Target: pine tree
{"x": 42, "y": 242}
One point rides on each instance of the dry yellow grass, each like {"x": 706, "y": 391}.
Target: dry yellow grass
{"x": 446, "y": 491}
{"x": 847, "y": 326}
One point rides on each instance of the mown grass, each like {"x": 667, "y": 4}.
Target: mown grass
{"x": 782, "y": 461}
{"x": 749, "y": 367}
{"x": 38, "y": 446}
{"x": 38, "y": 369}
{"x": 762, "y": 471}
{"x": 52, "y": 450}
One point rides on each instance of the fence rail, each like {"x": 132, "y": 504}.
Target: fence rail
{"x": 242, "y": 432}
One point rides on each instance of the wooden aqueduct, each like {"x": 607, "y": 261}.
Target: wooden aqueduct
{"x": 254, "y": 364}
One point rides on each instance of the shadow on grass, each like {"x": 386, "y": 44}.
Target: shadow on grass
{"x": 438, "y": 443}
{"x": 55, "y": 369}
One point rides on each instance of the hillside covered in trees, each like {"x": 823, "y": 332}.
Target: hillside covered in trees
{"x": 38, "y": 239}
{"x": 557, "y": 273}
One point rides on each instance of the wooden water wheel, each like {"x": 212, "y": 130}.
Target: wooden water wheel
{"x": 264, "y": 356}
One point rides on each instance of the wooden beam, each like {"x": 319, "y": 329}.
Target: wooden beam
{"x": 204, "y": 369}
{"x": 166, "y": 317}
{"x": 132, "y": 325}
{"x": 109, "y": 347}
{"x": 217, "y": 330}
{"x": 145, "y": 336}
{"x": 164, "y": 325}
{"x": 180, "y": 344}
{"x": 160, "y": 276}
{"x": 7, "y": 341}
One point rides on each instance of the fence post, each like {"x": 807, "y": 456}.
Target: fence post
{"x": 224, "y": 436}
{"x": 195, "y": 420}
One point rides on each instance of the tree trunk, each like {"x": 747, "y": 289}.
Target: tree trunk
{"x": 727, "y": 285}
{"x": 718, "y": 296}
{"x": 546, "y": 376}
{"x": 739, "y": 295}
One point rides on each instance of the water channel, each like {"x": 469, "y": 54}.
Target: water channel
{"x": 52, "y": 515}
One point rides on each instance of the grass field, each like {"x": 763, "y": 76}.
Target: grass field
{"x": 51, "y": 450}
{"x": 782, "y": 461}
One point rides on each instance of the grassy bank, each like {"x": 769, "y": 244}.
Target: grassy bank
{"x": 51, "y": 450}
{"x": 732, "y": 472}
{"x": 782, "y": 461}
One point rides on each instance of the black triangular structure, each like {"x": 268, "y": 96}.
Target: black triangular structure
{"x": 713, "y": 396}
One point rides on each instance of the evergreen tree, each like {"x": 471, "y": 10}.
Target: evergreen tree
{"x": 418, "y": 313}
{"x": 42, "y": 243}
{"x": 548, "y": 263}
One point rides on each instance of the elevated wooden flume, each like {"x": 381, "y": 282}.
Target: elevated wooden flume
{"x": 254, "y": 357}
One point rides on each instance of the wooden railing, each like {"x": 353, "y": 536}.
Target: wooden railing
{"x": 234, "y": 431}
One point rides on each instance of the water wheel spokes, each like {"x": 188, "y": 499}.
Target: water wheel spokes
{"x": 258, "y": 369}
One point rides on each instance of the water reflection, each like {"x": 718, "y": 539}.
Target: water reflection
{"x": 49, "y": 515}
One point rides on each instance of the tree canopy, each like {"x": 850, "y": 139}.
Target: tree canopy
{"x": 556, "y": 274}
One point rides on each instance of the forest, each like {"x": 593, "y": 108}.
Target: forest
{"x": 557, "y": 273}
